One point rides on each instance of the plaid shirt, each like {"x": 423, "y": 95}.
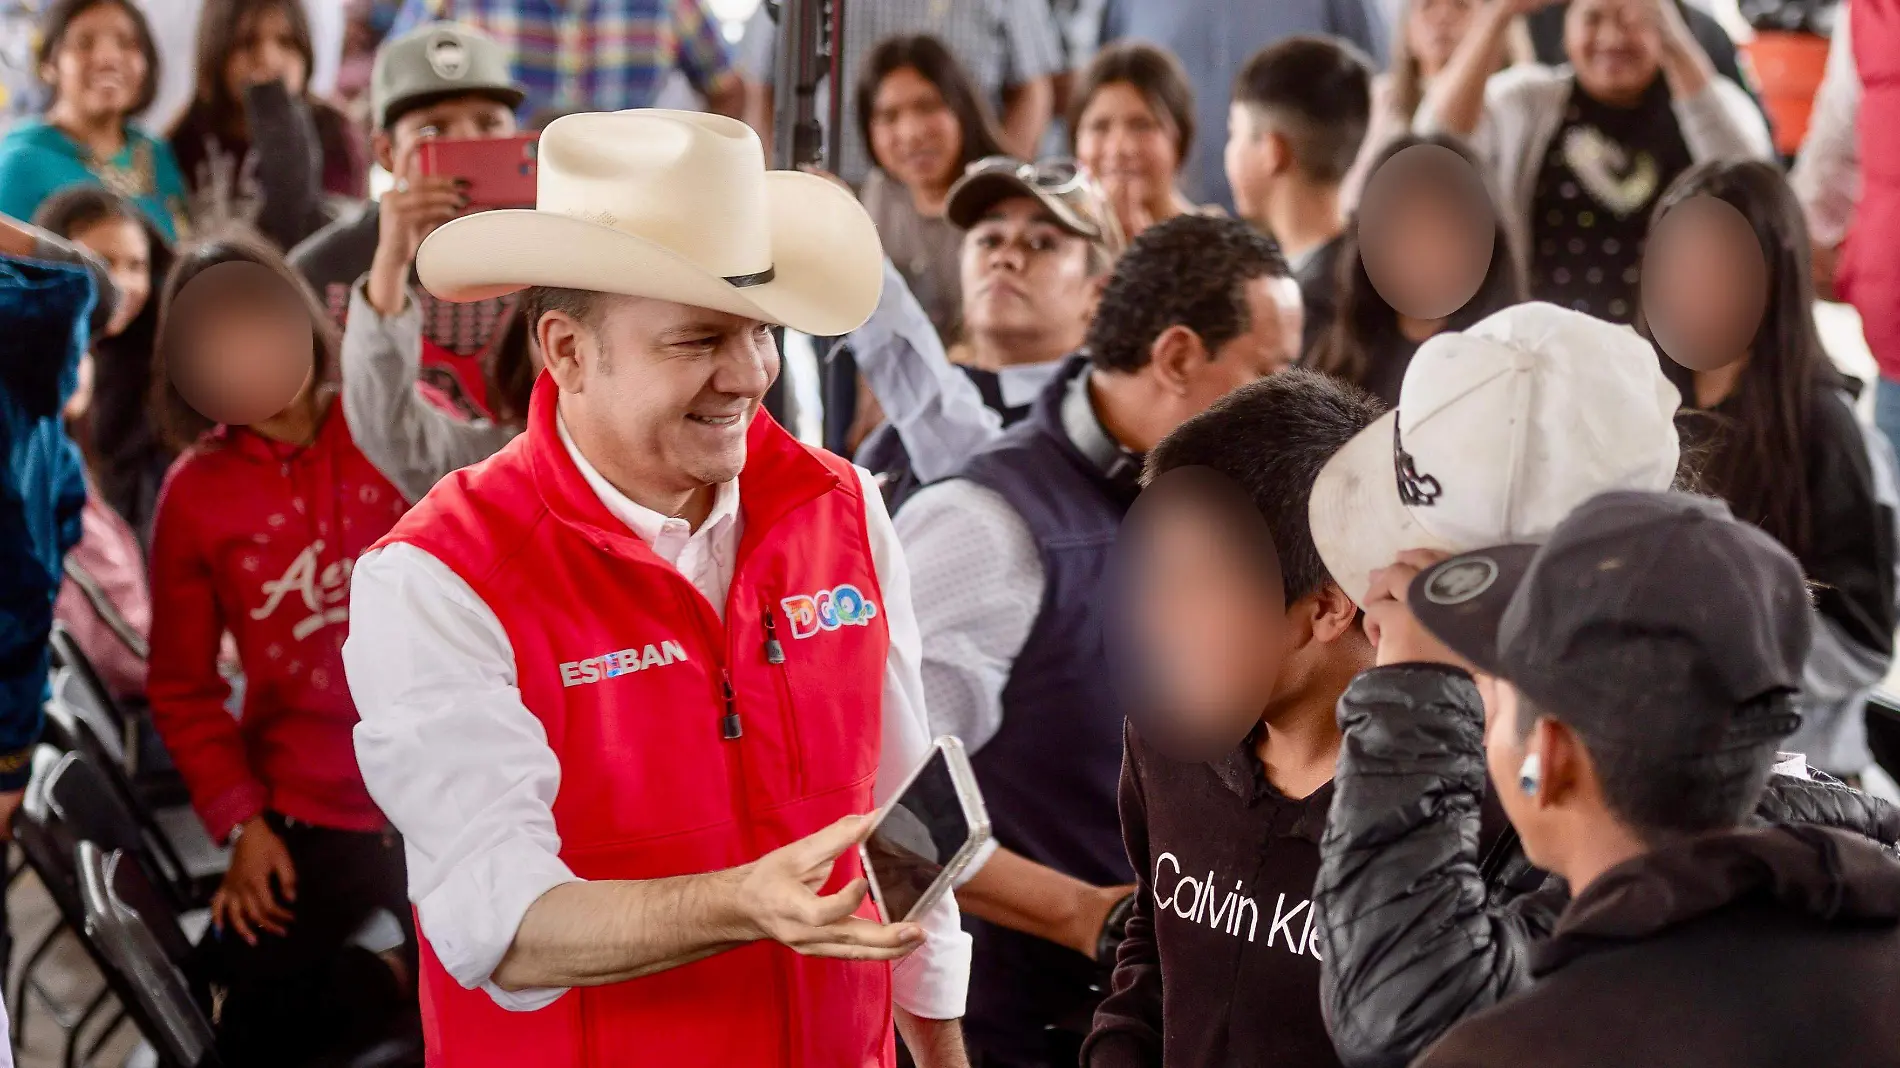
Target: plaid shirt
{"x": 591, "y": 55}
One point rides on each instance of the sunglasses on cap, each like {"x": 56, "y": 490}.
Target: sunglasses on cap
{"x": 1056, "y": 177}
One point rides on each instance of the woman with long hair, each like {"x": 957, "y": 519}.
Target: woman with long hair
{"x": 1777, "y": 439}
{"x": 925, "y": 121}
{"x": 256, "y": 146}
{"x": 125, "y": 456}
{"x": 1131, "y": 125}
{"x": 258, "y": 528}
{"x": 1370, "y": 343}
{"x": 99, "y": 61}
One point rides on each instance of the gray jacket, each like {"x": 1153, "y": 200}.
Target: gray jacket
{"x": 411, "y": 441}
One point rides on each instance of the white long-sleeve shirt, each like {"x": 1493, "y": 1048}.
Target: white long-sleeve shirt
{"x": 463, "y": 769}
{"x": 1826, "y": 175}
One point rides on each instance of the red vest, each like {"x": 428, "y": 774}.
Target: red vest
{"x": 637, "y": 682}
{"x": 1868, "y": 275}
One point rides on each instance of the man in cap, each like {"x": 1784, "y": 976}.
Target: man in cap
{"x": 610, "y": 690}
{"x": 1039, "y": 243}
{"x": 1502, "y": 431}
{"x": 1639, "y": 670}
{"x": 441, "y": 80}
{"x": 1011, "y": 557}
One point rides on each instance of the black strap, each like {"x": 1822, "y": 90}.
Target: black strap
{"x": 107, "y": 611}
{"x": 747, "y": 281}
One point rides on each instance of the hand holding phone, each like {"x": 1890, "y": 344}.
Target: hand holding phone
{"x": 495, "y": 172}
{"x": 925, "y": 838}
{"x": 778, "y": 896}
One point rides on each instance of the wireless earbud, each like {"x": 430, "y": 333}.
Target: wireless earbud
{"x": 1530, "y": 774}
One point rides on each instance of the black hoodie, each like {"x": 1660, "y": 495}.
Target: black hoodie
{"x": 1762, "y": 947}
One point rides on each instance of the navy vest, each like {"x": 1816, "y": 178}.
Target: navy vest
{"x": 884, "y": 455}
{"x": 1050, "y": 775}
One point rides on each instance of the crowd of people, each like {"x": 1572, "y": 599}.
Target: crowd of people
{"x": 1500, "y": 675}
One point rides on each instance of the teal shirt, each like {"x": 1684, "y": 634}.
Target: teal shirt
{"x": 38, "y": 160}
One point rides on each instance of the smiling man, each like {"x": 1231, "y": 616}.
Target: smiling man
{"x": 577, "y": 662}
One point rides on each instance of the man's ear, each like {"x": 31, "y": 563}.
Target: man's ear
{"x": 1175, "y": 358}
{"x": 384, "y": 149}
{"x": 1334, "y": 614}
{"x": 1279, "y": 153}
{"x": 564, "y": 343}
{"x": 1567, "y": 771}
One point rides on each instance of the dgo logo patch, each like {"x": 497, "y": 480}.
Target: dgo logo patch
{"x": 843, "y": 606}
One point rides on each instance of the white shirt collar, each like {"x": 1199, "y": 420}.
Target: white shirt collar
{"x": 646, "y": 523}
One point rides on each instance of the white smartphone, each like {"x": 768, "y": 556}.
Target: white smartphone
{"x": 927, "y": 835}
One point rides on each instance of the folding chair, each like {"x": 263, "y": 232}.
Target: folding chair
{"x": 118, "y": 899}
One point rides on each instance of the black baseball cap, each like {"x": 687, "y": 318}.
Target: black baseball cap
{"x": 1651, "y": 620}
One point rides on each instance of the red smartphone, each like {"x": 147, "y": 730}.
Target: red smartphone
{"x": 500, "y": 171}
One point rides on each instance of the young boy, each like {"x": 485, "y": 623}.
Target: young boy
{"x": 440, "y": 80}
{"x": 1638, "y": 670}
{"x": 1226, "y": 852}
{"x": 1300, "y": 111}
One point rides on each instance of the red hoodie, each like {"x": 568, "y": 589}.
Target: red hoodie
{"x": 258, "y": 538}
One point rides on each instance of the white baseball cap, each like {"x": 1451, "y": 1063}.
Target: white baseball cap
{"x": 1501, "y": 431}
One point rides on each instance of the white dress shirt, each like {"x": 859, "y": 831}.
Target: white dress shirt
{"x": 464, "y": 770}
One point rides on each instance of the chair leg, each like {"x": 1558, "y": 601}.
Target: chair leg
{"x": 73, "y": 1036}
{"x": 112, "y": 1027}
{"x": 33, "y": 959}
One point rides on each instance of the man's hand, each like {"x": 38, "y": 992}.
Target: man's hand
{"x": 408, "y": 213}
{"x": 9, "y": 804}
{"x": 1097, "y": 905}
{"x": 248, "y": 902}
{"x": 1394, "y": 632}
{"x": 778, "y": 898}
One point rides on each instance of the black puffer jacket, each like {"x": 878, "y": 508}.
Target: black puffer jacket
{"x": 1419, "y": 930}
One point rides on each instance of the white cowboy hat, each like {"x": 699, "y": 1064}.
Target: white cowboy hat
{"x": 676, "y": 206}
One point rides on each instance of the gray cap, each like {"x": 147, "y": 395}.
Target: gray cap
{"x": 439, "y": 59}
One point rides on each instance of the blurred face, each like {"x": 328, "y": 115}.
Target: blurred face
{"x": 266, "y": 52}
{"x": 1426, "y": 232}
{"x": 1270, "y": 345}
{"x": 1124, "y": 142}
{"x": 660, "y": 394}
{"x": 98, "y": 69}
{"x": 1254, "y": 159}
{"x": 244, "y": 362}
{"x": 127, "y": 251}
{"x": 1025, "y": 277}
{"x": 462, "y": 118}
{"x": 1426, "y": 254}
{"x": 914, "y": 134}
{"x": 1615, "y": 47}
{"x": 1211, "y": 620}
{"x": 1433, "y": 30}
{"x": 1704, "y": 284}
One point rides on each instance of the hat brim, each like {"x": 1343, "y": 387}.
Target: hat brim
{"x": 507, "y": 95}
{"x": 1359, "y": 523}
{"x": 1461, "y": 601}
{"x": 972, "y": 197}
{"x": 827, "y": 262}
